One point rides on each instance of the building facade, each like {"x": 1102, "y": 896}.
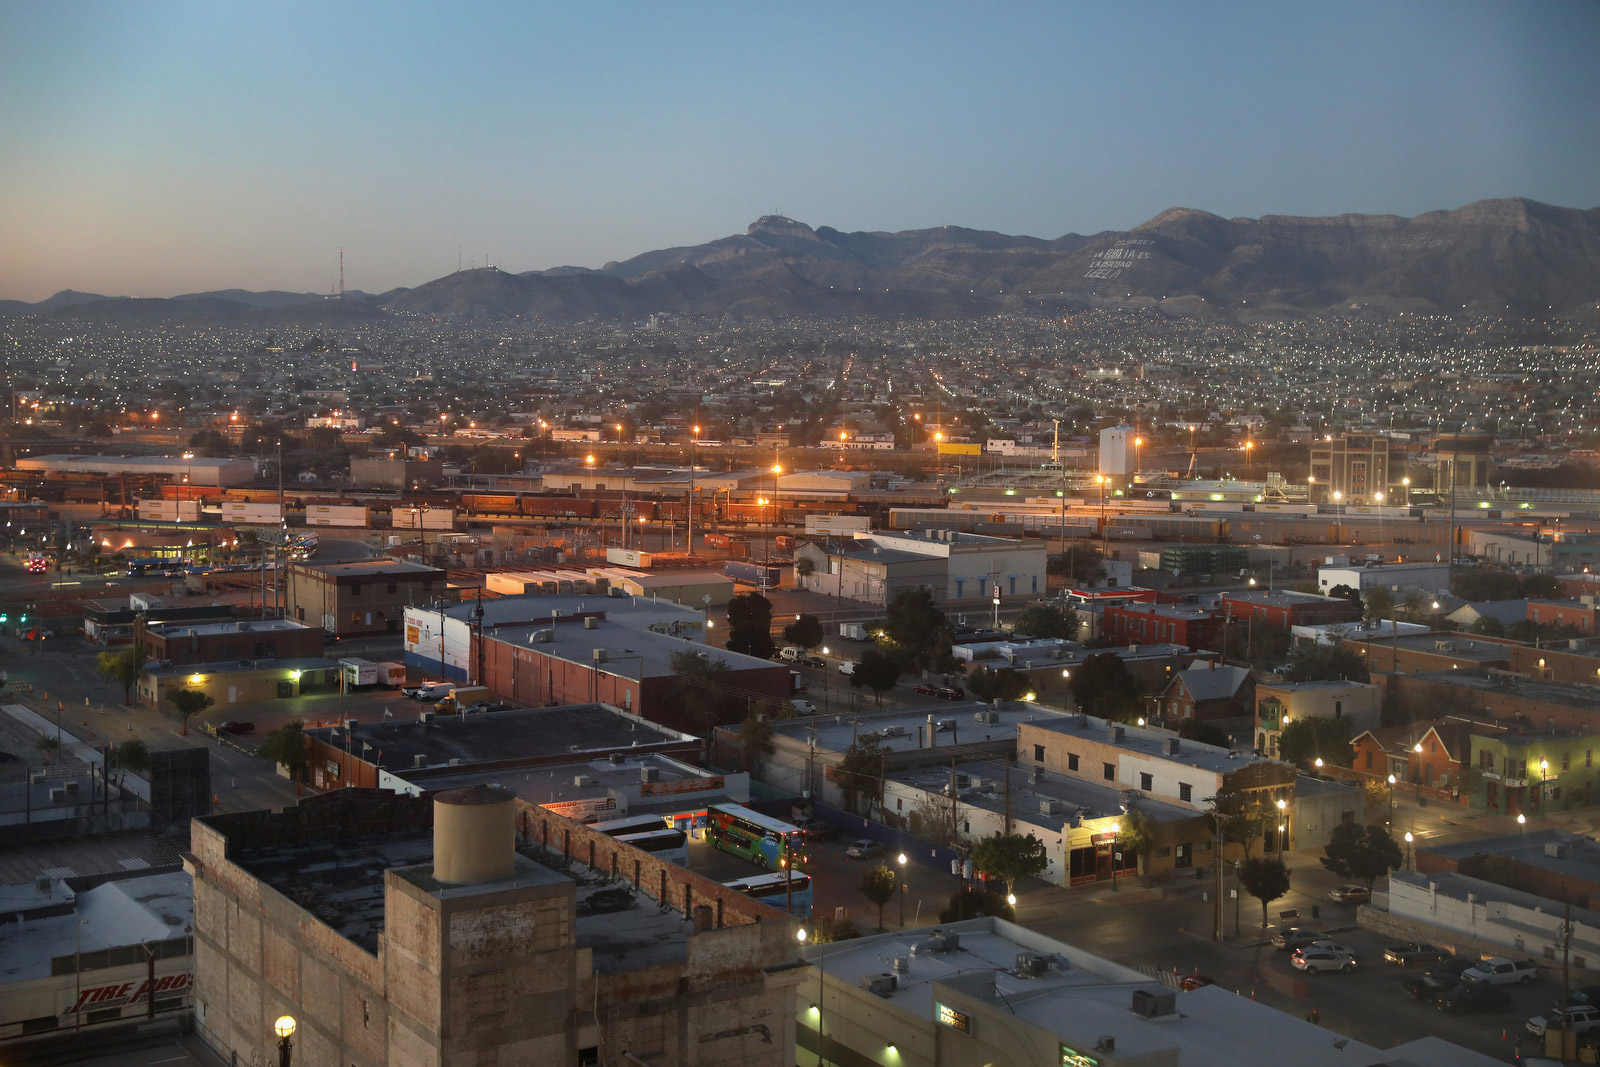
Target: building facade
{"x": 364, "y": 597}
{"x": 1353, "y": 466}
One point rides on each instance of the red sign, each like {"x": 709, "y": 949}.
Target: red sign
{"x": 118, "y": 994}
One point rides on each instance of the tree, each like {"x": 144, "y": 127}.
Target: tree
{"x": 1415, "y": 605}
{"x": 750, "y": 608}
{"x": 1311, "y": 738}
{"x": 1364, "y": 853}
{"x": 123, "y": 668}
{"x": 804, "y": 567}
{"x": 1345, "y": 592}
{"x": 860, "y": 771}
{"x": 1046, "y": 619}
{"x": 132, "y": 755}
{"x": 1312, "y": 662}
{"x": 701, "y": 690}
{"x": 806, "y": 631}
{"x": 750, "y": 626}
{"x": 1082, "y": 564}
{"x": 1265, "y": 879}
{"x": 827, "y": 929}
{"x": 1102, "y": 686}
{"x": 1207, "y": 733}
{"x": 994, "y": 685}
{"x": 934, "y": 820}
{"x": 755, "y": 740}
{"x": 287, "y": 745}
{"x": 1009, "y": 857}
{"x": 189, "y": 702}
{"x": 968, "y": 903}
{"x": 1488, "y": 626}
{"x": 1136, "y": 834}
{"x": 1380, "y": 603}
{"x": 1242, "y": 817}
{"x": 876, "y": 672}
{"x": 879, "y": 885}
{"x": 49, "y": 746}
{"x": 918, "y": 629}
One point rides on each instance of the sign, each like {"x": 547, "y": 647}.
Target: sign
{"x": 955, "y": 1020}
{"x": 413, "y": 635}
{"x": 959, "y": 448}
{"x": 118, "y": 994}
{"x": 1071, "y": 1057}
{"x": 581, "y": 810}
{"x": 682, "y": 785}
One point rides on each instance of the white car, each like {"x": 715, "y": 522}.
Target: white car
{"x": 1312, "y": 959}
{"x": 1332, "y": 946}
{"x": 1581, "y": 1018}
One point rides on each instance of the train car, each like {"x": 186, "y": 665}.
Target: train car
{"x": 566, "y": 507}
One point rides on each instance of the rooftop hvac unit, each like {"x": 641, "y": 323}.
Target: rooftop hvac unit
{"x": 425, "y": 717}
{"x": 946, "y": 724}
{"x": 582, "y": 781}
{"x": 600, "y": 655}
{"x": 58, "y": 795}
{"x": 1445, "y": 645}
{"x": 542, "y": 637}
{"x": 591, "y": 623}
{"x": 978, "y": 783}
{"x": 988, "y": 718}
{"x": 1050, "y": 807}
{"x": 881, "y": 984}
{"x": 1032, "y": 965}
{"x": 902, "y": 965}
{"x": 963, "y": 781}
{"x": 1036, "y": 774}
{"x": 455, "y": 761}
{"x": 616, "y": 591}
{"x": 1152, "y": 1004}
{"x": 617, "y": 757}
{"x": 1172, "y": 746}
{"x": 951, "y": 939}
{"x": 1555, "y": 850}
{"x": 649, "y": 774}
{"x": 419, "y": 761}
{"x": 1113, "y": 733}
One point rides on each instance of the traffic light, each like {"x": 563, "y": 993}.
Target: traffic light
{"x": 4, "y": 618}
{"x": 23, "y": 618}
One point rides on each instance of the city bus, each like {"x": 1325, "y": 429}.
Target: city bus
{"x": 763, "y": 840}
{"x": 670, "y": 845}
{"x": 778, "y": 890}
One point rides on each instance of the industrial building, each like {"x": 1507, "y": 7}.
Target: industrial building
{"x": 475, "y": 928}
{"x": 362, "y": 597}
{"x": 1351, "y": 469}
{"x": 197, "y": 470}
{"x": 1429, "y": 577}
{"x": 953, "y": 566}
{"x": 181, "y": 642}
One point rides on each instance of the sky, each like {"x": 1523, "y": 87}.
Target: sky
{"x": 153, "y": 148}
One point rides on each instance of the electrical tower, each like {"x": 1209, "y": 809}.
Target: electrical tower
{"x": 341, "y": 274}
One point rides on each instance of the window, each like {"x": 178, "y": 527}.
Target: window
{"x": 1368, "y": 755}
{"x": 966, "y": 827}
{"x": 1338, "y": 709}
{"x": 1185, "y": 791}
{"x": 1072, "y": 761}
{"x": 1588, "y": 757}
{"x": 355, "y": 588}
{"x": 1147, "y": 782}
{"x": 1038, "y": 753}
{"x": 899, "y": 804}
{"x": 1485, "y": 760}
{"x": 589, "y": 1057}
{"x": 366, "y": 1013}
{"x": 1110, "y": 771}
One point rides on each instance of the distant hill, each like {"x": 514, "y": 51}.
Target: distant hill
{"x": 1493, "y": 255}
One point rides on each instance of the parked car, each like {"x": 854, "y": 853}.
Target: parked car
{"x": 1195, "y": 981}
{"x": 1312, "y": 960}
{"x": 815, "y": 661}
{"x": 815, "y": 830}
{"x": 486, "y": 705}
{"x": 1589, "y": 994}
{"x": 1471, "y": 997}
{"x": 943, "y": 692}
{"x": 861, "y": 849}
{"x": 1326, "y": 945}
{"x": 1452, "y": 968}
{"x": 1415, "y": 952}
{"x": 1499, "y": 970}
{"x": 1350, "y": 894}
{"x": 1293, "y": 937}
{"x": 236, "y": 728}
{"x": 1580, "y": 1019}
{"x": 1427, "y": 988}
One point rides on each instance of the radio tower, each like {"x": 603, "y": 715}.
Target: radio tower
{"x": 341, "y": 274}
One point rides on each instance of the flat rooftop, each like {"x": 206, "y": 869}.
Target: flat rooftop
{"x": 231, "y": 626}
{"x": 81, "y": 857}
{"x": 484, "y": 737}
{"x": 1581, "y": 861}
{"x": 637, "y": 612}
{"x": 381, "y": 565}
{"x": 1454, "y": 645}
{"x": 115, "y": 914}
{"x": 229, "y": 666}
{"x": 632, "y": 652}
{"x": 1077, "y": 798}
{"x": 1151, "y": 742}
{"x": 836, "y": 733}
{"x": 557, "y": 783}
{"x": 1578, "y": 697}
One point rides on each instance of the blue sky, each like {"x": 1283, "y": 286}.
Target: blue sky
{"x": 155, "y": 148}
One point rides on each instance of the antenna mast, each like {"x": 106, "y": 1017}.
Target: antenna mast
{"x": 341, "y": 274}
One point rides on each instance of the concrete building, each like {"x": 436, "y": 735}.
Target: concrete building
{"x": 986, "y": 991}
{"x": 1556, "y": 865}
{"x": 1333, "y": 633}
{"x": 438, "y": 941}
{"x": 1138, "y": 624}
{"x": 1429, "y": 577}
{"x": 81, "y": 954}
{"x": 1355, "y": 466}
{"x": 362, "y": 597}
{"x": 236, "y": 681}
{"x": 378, "y": 472}
{"x": 952, "y": 565}
{"x": 1360, "y": 704}
{"x": 200, "y": 470}
{"x": 184, "y": 642}
{"x": 1465, "y": 465}
{"x": 860, "y": 569}
{"x": 1117, "y": 454}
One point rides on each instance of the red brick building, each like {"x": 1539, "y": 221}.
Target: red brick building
{"x": 1566, "y": 665}
{"x": 1573, "y": 613}
{"x": 1178, "y": 624}
{"x": 227, "y": 640}
{"x": 1209, "y": 692}
{"x": 1285, "y": 608}
{"x": 1422, "y": 752}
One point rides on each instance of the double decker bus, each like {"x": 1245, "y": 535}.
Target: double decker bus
{"x": 651, "y": 833}
{"x": 765, "y": 841}
{"x": 789, "y": 890}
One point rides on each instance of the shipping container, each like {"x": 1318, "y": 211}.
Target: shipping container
{"x": 248, "y": 513}
{"x": 628, "y": 557}
{"x": 422, "y": 518}
{"x": 391, "y": 674}
{"x": 760, "y": 575}
{"x": 337, "y": 515}
{"x": 837, "y": 524}
{"x": 170, "y": 510}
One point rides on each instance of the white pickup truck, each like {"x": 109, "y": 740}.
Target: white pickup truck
{"x": 1499, "y": 970}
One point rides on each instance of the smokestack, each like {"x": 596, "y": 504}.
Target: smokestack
{"x": 474, "y": 834}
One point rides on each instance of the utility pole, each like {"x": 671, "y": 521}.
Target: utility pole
{"x": 1008, "y": 795}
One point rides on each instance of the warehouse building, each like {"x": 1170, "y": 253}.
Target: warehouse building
{"x": 199, "y": 470}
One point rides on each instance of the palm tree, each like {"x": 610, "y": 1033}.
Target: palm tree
{"x": 48, "y": 746}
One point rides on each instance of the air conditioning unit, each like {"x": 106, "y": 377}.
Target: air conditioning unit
{"x": 1032, "y": 965}
{"x": 455, "y": 761}
{"x": 582, "y": 781}
{"x": 1555, "y": 850}
{"x": 71, "y": 786}
{"x": 58, "y": 795}
{"x": 649, "y": 774}
{"x": 616, "y": 591}
{"x": 591, "y": 623}
{"x": 988, "y": 718}
{"x": 419, "y": 761}
{"x": 963, "y": 781}
{"x": 425, "y": 717}
{"x": 543, "y": 637}
{"x": 1152, "y": 1004}
{"x": 601, "y": 655}
{"x": 1036, "y": 774}
{"x": 1050, "y": 807}
{"x": 880, "y": 984}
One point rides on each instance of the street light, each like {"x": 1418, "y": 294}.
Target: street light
{"x": 1249, "y": 446}
{"x": 900, "y": 888}
{"x": 1389, "y": 815}
{"x": 1544, "y": 768}
{"x": 284, "y": 1028}
{"x": 1283, "y": 806}
{"x": 1408, "y": 850}
{"x": 1116, "y": 828}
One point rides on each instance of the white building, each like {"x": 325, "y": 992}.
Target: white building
{"x": 1430, "y": 577}
{"x": 977, "y": 565}
{"x": 1118, "y": 454}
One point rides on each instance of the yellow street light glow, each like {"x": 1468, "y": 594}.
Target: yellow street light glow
{"x": 800, "y": 935}
{"x": 1029, "y": 695}
{"x": 285, "y": 1026}
{"x": 197, "y": 678}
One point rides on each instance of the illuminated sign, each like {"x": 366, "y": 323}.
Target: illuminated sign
{"x": 413, "y": 635}
{"x": 118, "y": 994}
{"x": 1071, "y": 1057}
{"x": 955, "y": 1020}
{"x": 959, "y": 448}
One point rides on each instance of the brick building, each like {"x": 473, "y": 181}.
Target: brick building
{"x": 1573, "y": 613}
{"x": 1208, "y": 692}
{"x": 363, "y": 597}
{"x": 1572, "y": 663}
{"x": 1438, "y": 651}
{"x": 400, "y": 930}
{"x": 218, "y": 641}
{"x": 1285, "y": 608}
{"x": 1498, "y": 697}
{"x": 1280, "y": 703}
{"x": 1179, "y": 624}
{"x": 1424, "y": 753}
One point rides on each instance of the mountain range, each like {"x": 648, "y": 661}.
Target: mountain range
{"x": 1492, "y": 255}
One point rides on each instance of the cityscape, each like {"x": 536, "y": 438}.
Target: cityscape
{"x": 987, "y": 613}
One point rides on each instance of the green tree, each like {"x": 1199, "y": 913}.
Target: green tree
{"x": 751, "y": 609}
{"x": 122, "y": 667}
{"x": 1345, "y": 592}
{"x": 49, "y": 746}
{"x": 1488, "y": 626}
{"x": 1081, "y": 564}
{"x": 1048, "y": 619}
{"x": 805, "y": 631}
{"x": 860, "y": 772}
{"x": 750, "y": 626}
{"x": 1266, "y": 880}
{"x": 1102, "y": 686}
{"x": 968, "y": 903}
{"x": 701, "y": 690}
{"x": 1310, "y": 738}
{"x": 1136, "y": 834}
{"x": 132, "y": 755}
{"x": 287, "y": 745}
{"x": 827, "y": 929}
{"x": 878, "y": 885}
{"x": 1242, "y": 817}
{"x": 1364, "y": 853}
{"x": 1314, "y": 662}
{"x": 918, "y": 629}
{"x": 1207, "y": 733}
{"x": 1010, "y": 857}
{"x": 189, "y": 702}
{"x": 755, "y": 740}
{"x": 877, "y": 672}
{"x": 994, "y": 685}
{"x": 1379, "y": 603}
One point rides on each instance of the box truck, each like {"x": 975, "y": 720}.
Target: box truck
{"x": 359, "y": 672}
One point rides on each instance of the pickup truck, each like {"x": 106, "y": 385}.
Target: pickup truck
{"x": 1498, "y": 970}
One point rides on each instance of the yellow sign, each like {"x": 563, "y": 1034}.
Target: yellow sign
{"x": 1071, "y": 1057}
{"x": 413, "y": 635}
{"x": 949, "y": 448}
{"x": 955, "y": 1020}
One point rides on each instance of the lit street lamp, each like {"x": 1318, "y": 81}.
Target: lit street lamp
{"x": 1408, "y": 850}
{"x": 1388, "y": 818}
{"x": 1116, "y": 828}
{"x": 900, "y": 887}
{"x": 284, "y": 1028}
{"x": 1283, "y": 807}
